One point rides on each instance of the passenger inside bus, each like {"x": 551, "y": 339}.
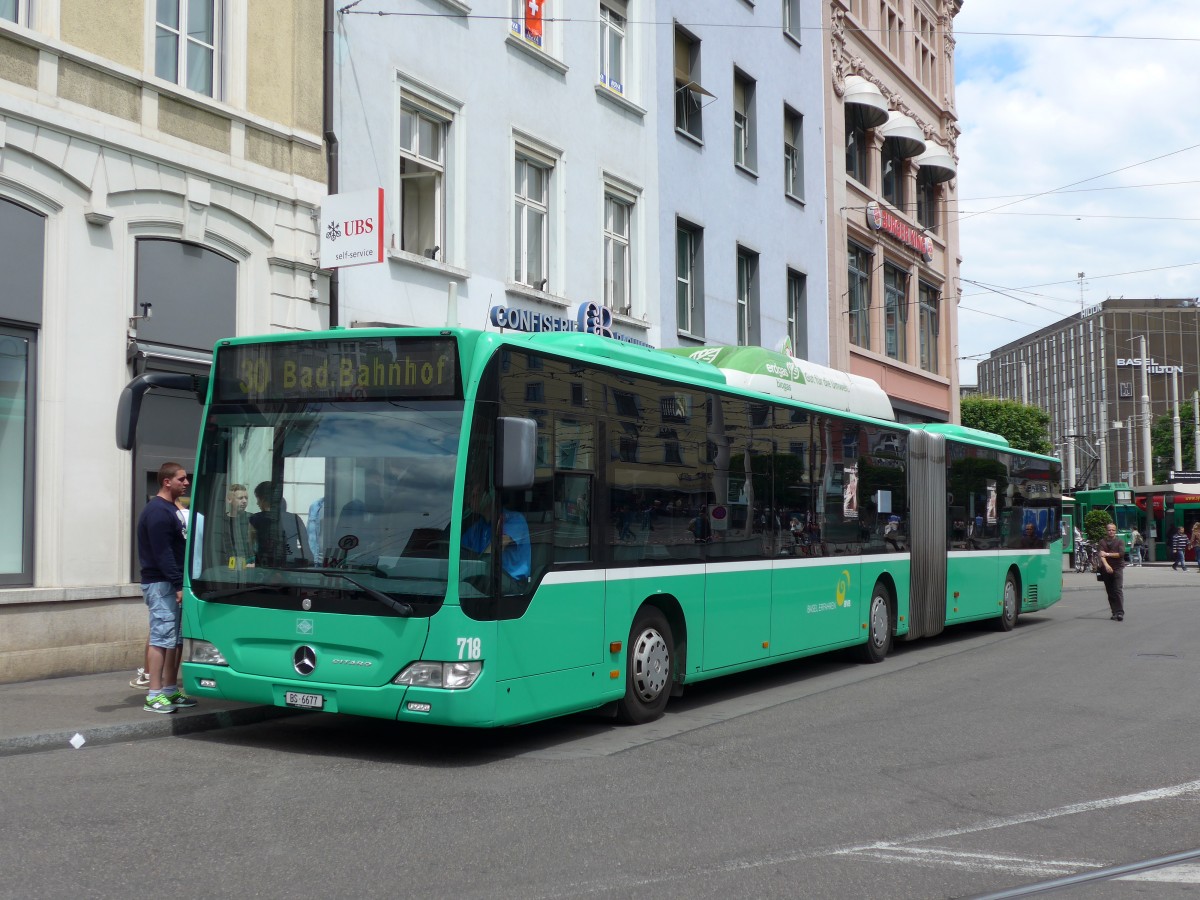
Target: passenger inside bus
{"x": 1030, "y": 539}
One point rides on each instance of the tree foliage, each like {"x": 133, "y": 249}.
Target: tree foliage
{"x": 1095, "y": 524}
{"x": 1162, "y": 443}
{"x": 1025, "y": 427}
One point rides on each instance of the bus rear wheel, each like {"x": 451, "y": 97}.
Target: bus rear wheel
{"x": 879, "y": 626}
{"x": 650, "y": 664}
{"x": 1010, "y": 605}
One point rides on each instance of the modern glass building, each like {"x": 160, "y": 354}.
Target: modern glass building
{"x": 1086, "y": 371}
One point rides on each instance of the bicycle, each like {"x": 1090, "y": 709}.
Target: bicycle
{"x": 1086, "y": 557}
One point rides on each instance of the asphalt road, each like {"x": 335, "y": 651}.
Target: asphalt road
{"x": 972, "y": 763}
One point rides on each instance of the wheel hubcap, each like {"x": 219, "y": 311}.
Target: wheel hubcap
{"x": 879, "y": 621}
{"x": 1010, "y": 599}
{"x": 651, "y": 663}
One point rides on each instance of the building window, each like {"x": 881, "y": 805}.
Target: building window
{"x": 612, "y": 45}
{"x": 791, "y": 18}
{"x": 797, "y": 313}
{"x": 745, "y": 151}
{"x": 422, "y": 181}
{"x": 15, "y": 11}
{"x": 618, "y": 215}
{"x": 929, "y": 326}
{"x": 689, "y": 95}
{"x": 531, "y": 228}
{"x": 185, "y": 44}
{"x": 924, "y": 57}
{"x": 529, "y": 20}
{"x": 856, "y": 145}
{"x": 891, "y": 27}
{"x": 859, "y": 272}
{"x": 747, "y": 297}
{"x": 895, "y": 312}
{"x": 927, "y": 199}
{"x": 18, "y": 373}
{"x": 893, "y": 163}
{"x": 689, "y": 309}
{"x": 793, "y": 153}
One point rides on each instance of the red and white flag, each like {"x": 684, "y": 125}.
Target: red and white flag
{"x": 533, "y": 19}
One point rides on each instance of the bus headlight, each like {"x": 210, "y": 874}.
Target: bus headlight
{"x": 195, "y": 651}
{"x": 451, "y": 676}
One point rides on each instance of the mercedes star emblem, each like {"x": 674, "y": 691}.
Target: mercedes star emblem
{"x": 304, "y": 660}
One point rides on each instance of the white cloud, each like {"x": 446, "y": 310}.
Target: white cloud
{"x": 1041, "y": 113}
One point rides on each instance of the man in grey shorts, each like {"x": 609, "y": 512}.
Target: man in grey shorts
{"x": 161, "y": 539}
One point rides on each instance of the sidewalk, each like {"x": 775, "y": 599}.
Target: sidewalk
{"x": 104, "y": 709}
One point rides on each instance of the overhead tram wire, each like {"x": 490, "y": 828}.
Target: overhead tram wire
{"x": 1144, "y": 162}
{"x": 349, "y": 9}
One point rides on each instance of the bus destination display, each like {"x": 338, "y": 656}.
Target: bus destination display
{"x": 376, "y": 368}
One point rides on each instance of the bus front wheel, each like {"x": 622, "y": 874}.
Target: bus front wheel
{"x": 649, "y": 668}
{"x": 879, "y": 626}
{"x": 1010, "y": 605}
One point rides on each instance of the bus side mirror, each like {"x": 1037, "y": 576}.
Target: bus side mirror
{"x": 129, "y": 406}
{"x": 517, "y": 456}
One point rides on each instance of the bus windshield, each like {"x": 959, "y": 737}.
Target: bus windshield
{"x": 337, "y": 502}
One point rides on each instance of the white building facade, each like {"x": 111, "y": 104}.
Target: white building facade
{"x": 663, "y": 160}
{"x": 161, "y": 167}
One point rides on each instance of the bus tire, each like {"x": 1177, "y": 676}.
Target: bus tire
{"x": 1011, "y": 605}
{"x": 649, "y": 669}
{"x": 879, "y": 625}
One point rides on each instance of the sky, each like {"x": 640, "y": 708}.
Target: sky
{"x": 1079, "y": 152}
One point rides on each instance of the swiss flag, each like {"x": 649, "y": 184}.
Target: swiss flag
{"x": 533, "y": 19}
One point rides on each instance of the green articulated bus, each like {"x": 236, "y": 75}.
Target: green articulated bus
{"x": 663, "y": 517}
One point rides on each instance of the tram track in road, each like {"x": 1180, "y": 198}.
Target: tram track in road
{"x": 1178, "y": 868}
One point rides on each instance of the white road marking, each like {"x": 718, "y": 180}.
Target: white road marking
{"x": 1184, "y": 873}
{"x": 934, "y": 857}
{"x": 898, "y": 851}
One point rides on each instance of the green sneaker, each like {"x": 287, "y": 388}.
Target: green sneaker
{"x": 179, "y": 698}
{"x": 159, "y": 703}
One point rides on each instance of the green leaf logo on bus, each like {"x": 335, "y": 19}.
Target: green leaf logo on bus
{"x": 842, "y": 585}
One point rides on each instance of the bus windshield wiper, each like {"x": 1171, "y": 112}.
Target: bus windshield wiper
{"x": 402, "y": 609}
{"x": 245, "y": 589}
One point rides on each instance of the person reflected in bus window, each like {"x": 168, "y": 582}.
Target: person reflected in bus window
{"x": 1029, "y": 538}
{"x": 700, "y": 527}
{"x": 891, "y": 533}
{"x": 1112, "y": 571}
{"x": 280, "y": 538}
{"x": 515, "y": 552}
{"x": 1179, "y": 545}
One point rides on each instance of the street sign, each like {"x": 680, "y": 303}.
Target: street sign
{"x": 1184, "y": 476}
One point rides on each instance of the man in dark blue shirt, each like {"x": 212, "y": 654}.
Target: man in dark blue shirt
{"x": 160, "y": 536}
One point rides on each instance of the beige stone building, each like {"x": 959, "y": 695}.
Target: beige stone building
{"x": 161, "y": 166}
{"x": 893, "y": 248}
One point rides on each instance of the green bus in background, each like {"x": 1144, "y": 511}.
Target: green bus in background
{"x": 1116, "y": 499}
{"x": 662, "y": 518}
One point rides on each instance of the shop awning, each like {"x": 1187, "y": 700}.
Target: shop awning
{"x": 867, "y": 99}
{"x": 901, "y": 128}
{"x": 937, "y": 163}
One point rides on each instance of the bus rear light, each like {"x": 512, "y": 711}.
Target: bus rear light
{"x": 451, "y": 676}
